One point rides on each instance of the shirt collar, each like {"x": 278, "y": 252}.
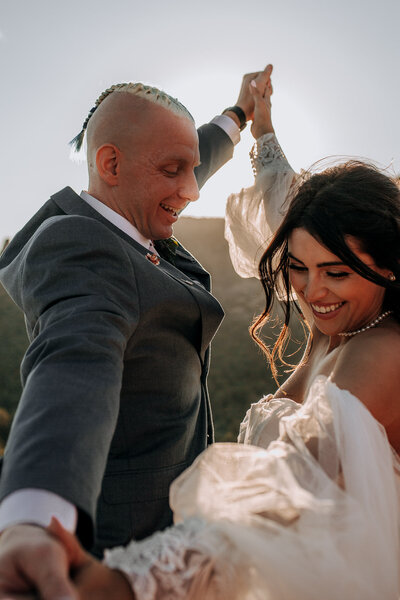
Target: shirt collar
{"x": 116, "y": 219}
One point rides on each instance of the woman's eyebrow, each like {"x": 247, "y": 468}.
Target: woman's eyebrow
{"x": 290, "y": 255}
{"x": 333, "y": 263}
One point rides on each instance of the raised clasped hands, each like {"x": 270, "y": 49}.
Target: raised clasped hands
{"x": 260, "y": 88}
{"x": 255, "y": 101}
{"x": 246, "y": 98}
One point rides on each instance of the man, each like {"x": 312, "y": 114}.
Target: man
{"x": 115, "y": 404}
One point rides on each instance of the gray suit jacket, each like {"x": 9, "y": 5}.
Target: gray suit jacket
{"x": 114, "y": 403}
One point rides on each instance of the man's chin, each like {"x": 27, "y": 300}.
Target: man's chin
{"x": 164, "y": 234}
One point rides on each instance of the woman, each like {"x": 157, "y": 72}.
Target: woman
{"x": 307, "y": 506}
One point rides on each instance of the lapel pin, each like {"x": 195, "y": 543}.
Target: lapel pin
{"x": 153, "y": 258}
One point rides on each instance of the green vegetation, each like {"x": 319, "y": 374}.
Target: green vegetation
{"x": 12, "y": 348}
{"x": 239, "y": 371}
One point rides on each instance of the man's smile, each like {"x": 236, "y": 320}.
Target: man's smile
{"x": 171, "y": 209}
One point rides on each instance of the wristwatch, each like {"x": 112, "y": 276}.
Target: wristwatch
{"x": 240, "y": 115}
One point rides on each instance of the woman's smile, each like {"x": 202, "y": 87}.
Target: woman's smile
{"x": 326, "y": 311}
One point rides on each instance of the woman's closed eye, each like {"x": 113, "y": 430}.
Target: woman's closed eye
{"x": 338, "y": 274}
{"x": 333, "y": 274}
{"x": 297, "y": 267}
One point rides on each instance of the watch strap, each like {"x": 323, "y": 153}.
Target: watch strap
{"x": 239, "y": 113}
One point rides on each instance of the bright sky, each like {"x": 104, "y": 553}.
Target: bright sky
{"x": 335, "y": 77}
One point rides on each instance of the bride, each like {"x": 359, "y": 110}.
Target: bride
{"x": 306, "y": 506}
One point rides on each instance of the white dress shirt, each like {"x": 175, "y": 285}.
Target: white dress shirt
{"x": 37, "y": 506}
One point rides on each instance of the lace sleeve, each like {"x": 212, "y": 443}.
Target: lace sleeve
{"x": 181, "y": 563}
{"x": 255, "y": 213}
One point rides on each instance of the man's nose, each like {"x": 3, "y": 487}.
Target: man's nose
{"x": 190, "y": 189}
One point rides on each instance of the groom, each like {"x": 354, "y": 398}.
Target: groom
{"x": 115, "y": 404}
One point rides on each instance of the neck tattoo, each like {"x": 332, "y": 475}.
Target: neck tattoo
{"x": 373, "y": 323}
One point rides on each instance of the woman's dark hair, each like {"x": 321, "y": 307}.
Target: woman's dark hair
{"x": 350, "y": 199}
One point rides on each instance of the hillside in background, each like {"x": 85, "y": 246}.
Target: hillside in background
{"x": 239, "y": 372}
{"x": 12, "y": 348}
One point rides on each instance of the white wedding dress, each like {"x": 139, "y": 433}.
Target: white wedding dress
{"x": 305, "y": 507}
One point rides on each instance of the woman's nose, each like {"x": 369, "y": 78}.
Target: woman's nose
{"x": 314, "y": 289}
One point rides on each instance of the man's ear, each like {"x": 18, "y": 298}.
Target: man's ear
{"x": 107, "y": 163}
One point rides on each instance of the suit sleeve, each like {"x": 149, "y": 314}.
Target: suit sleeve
{"x": 216, "y": 148}
{"x": 80, "y": 302}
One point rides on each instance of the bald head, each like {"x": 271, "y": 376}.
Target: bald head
{"x": 139, "y": 90}
{"x": 116, "y": 121}
{"x": 123, "y": 118}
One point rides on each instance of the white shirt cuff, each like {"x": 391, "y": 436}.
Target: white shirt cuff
{"x": 229, "y": 126}
{"x": 37, "y": 506}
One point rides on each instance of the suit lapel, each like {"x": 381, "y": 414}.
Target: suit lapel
{"x": 187, "y": 271}
{"x": 192, "y": 275}
{"x": 72, "y": 204}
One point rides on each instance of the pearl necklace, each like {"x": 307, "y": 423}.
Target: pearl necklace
{"x": 369, "y": 326}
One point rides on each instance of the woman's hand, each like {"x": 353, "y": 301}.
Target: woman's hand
{"x": 261, "y": 90}
{"x": 92, "y": 579}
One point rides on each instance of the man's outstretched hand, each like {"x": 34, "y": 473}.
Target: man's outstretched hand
{"x": 32, "y": 560}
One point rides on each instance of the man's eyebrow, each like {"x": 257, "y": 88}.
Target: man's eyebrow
{"x": 178, "y": 158}
{"x": 333, "y": 263}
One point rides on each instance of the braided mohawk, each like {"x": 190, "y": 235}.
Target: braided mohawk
{"x": 138, "y": 89}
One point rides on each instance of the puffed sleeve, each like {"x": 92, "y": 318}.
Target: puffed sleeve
{"x": 255, "y": 213}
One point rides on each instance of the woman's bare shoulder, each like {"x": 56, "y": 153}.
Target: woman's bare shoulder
{"x": 368, "y": 366}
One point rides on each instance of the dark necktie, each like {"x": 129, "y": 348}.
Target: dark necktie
{"x": 167, "y": 249}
